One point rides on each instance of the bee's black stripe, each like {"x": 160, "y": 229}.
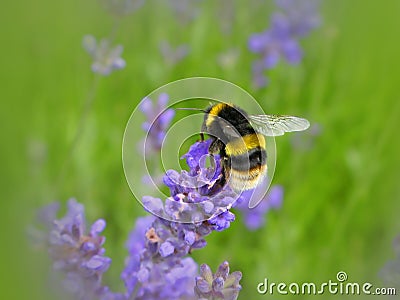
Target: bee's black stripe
{"x": 254, "y": 158}
{"x": 234, "y": 115}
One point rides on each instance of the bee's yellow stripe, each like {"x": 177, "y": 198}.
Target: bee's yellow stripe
{"x": 242, "y": 145}
{"x": 246, "y": 180}
{"x": 215, "y": 110}
{"x": 248, "y": 174}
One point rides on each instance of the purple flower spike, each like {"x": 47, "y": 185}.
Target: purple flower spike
{"x": 254, "y": 218}
{"x": 79, "y": 255}
{"x": 303, "y": 15}
{"x": 221, "y": 285}
{"x": 105, "y": 58}
{"x": 185, "y": 10}
{"x": 156, "y": 267}
{"x": 281, "y": 40}
{"x": 197, "y": 195}
{"x": 158, "y": 119}
{"x": 197, "y": 206}
{"x": 173, "y": 55}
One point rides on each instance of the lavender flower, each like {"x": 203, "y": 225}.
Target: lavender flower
{"x": 254, "y": 218}
{"x": 105, "y": 58}
{"x": 197, "y": 195}
{"x": 295, "y": 20}
{"x": 158, "y": 119}
{"x": 185, "y": 10}
{"x": 161, "y": 269}
{"x": 302, "y": 16}
{"x": 220, "y": 285}
{"x": 79, "y": 255}
{"x": 173, "y": 55}
{"x": 158, "y": 269}
{"x": 135, "y": 245}
{"x": 196, "y": 207}
{"x": 157, "y": 266}
{"x": 153, "y": 270}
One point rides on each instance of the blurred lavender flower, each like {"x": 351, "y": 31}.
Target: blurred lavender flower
{"x": 173, "y": 55}
{"x": 296, "y": 20}
{"x": 185, "y": 10}
{"x": 156, "y": 267}
{"x": 390, "y": 273}
{"x": 220, "y": 285}
{"x": 302, "y": 16}
{"x": 122, "y": 7}
{"x": 254, "y": 218}
{"x": 79, "y": 255}
{"x": 158, "y": 118}
{"x": 105, "y": 58}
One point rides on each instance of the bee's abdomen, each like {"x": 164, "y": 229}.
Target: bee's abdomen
{"x": 244, "y": 144}
{"x": 250, "y": 160}
{"x": 241, "y": 177}
{"x": 246, "y": 162}
{"x": 245, "y": 171}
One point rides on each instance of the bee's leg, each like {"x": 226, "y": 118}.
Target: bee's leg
{"x": 212, "y": 161}
{"x": 216, "y": 146}
{"x": 221, "y": 181}
{"x": 201, "y": 139}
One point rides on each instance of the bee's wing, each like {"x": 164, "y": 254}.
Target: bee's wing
{"x": 274, "y": 125}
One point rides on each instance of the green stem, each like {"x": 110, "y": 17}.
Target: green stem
{"x": 79, "y": 129}
{"x": 86, "y": 110}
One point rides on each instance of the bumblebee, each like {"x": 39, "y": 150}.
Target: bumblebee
{"x": 239, "y": 140}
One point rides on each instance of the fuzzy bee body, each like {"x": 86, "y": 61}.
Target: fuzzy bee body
{"x": 241, "y": 148}
{"x": 239, "y": 140}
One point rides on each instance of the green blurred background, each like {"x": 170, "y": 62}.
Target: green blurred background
{"x": 341, "y": 204}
